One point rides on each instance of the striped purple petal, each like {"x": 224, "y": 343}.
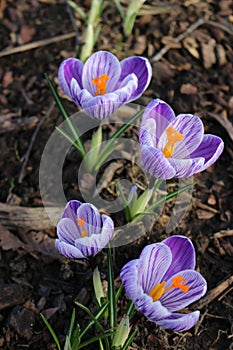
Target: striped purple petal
{"x": 101, "y": 62}
{"x": 155, "y": 163}
{"x": 141, "y": 67}
{"x": 68, "y": 230}
{"x": 186, "y": 167}
{"x": 91, "y": 216}
{"x": 153, "y": 263}
{"x": 161, "y": 113}
{"x": 70, "y": 69}
{"x": 179, "y": 322}
{"x": 147, "y": 133}
{"x": 70, "y": 210}
{"x": 129, "y": 277}
{"x": 68, "y": 250}
{"x": 152, "y": 310}
{"x": 176, "y": 299}
{"x": 210, "y": 148}
{"x": 183, "y": 254}
{"x": 191, "y": 128}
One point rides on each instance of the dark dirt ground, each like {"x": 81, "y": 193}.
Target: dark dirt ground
{"x": 195, "y": 75}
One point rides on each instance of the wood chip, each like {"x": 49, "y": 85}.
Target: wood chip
{"x": 191, "y": 46}
{"x": 12, "y": 294}
{"x": 188, "y": 89}
{"x": 208, "y": 53}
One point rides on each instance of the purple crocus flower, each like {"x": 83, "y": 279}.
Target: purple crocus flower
{"x": 102, "y": 84}
{"x": 82, "y": 231}
{"x": 175, "y": 146}
{"x": 163, "y": 281}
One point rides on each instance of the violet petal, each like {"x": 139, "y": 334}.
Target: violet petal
{"x": 70, "y": 69}
{"x": 155, "y": 163}
{"x": 192, "y": 129}
{"x": 67, "y": 230}
{"x": 186, "y": 167}
{"x": 141, "y": 67}
{"x": 153, "y": 263}
{"x": 176, "y": 299}
{"x": 180, "y": 322}
{"x": 210, "y": 148}
{"x": 101, "y": 62}
{"x": 68, "y": 250}
{"x": 91, "y": 216}
{"x": 183, "y": 255}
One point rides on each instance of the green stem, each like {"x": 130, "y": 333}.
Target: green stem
{"x": 111, "y": 291}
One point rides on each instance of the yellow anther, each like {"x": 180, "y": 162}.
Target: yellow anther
{"x": 101, "y": 84}
{"x": 173, "y": 137}
{"x": 81, "y": 223}
{"x": 177, "y": 282}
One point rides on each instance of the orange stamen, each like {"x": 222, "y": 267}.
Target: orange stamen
{"x": 81, "y": 223}
{"x": 173, "y": 137}
{"x": 158, "y": 290}
{"x": 101, "y": 84}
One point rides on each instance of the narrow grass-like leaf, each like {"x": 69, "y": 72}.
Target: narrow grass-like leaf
{"x": 96, "y": 322}
{"x": 118, "y": 292}
{"x": 51, "y": 331}
{"x": 97, "y": 316}
{"x": 78, "y": 10}
{"x": 129, "y": 340}
{"x": 92, "y": 340}
{"x": 111, "y": 291}
{"x": 130, "y": 309}
{"x": 66, "y": 116}
{"x": 109, "y": 145}
{"x": 125, "y": 202}
{"x": 161, "y": 201}
{"x": 71, "y": 327}
{"x": 120, "y": 9}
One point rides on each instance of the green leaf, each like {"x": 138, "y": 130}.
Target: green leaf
{"x": 109, "y": 146}
{"x": 98, "y": 337}
{"x": 149, "y": 210}
{"x": 125, "y": 202}
{"x": 95, "y": 320}
{"x": 51, "y": 331}
{"x": 97, "y": 316}
{"x": 120, "y": 9}
{"x": 66, "y": 117}
{"x": 111, "y": 291}
{"x": 98, "y": 288}
{"x": 130, "y": 309}
{"x": 129, "y": 340}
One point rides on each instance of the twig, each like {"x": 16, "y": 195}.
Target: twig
{"x": 27, "y": 154}
{"x": 224, "y": 122}
{"x": 188, "y": 31}
{"x": 223, "y": 233}
{"x": 37, "y": 44}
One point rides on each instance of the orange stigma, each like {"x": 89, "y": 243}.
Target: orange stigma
{"x": 101, "y": 84}
{"x": 173, "y": 137}
{"x": 81, "y": 223}
{"x": 158, "y": 290}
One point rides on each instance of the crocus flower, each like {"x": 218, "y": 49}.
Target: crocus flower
{"x": 103, "y": 84}
{"x": 175, "y": 146}
{"x": 163, "y": 281}
{"x": 82, "y": 231}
